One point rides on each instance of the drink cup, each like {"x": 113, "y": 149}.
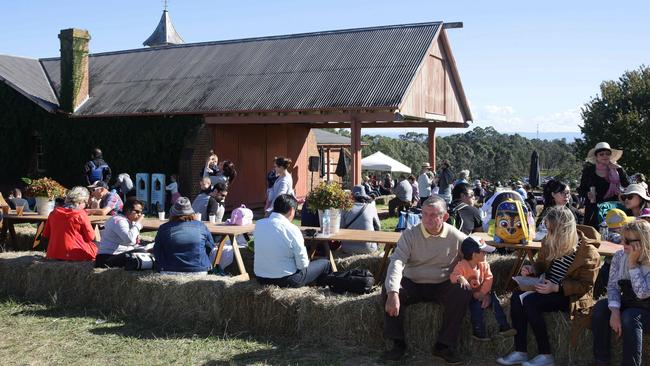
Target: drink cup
{"x": 592, "y": 190}
{"x": 213, "y": 219}
{"x": 198, "y": 216}
{"x": 19, "y": 210}
{"x": 161, "y": 215}
{"x": 5, "y": 210}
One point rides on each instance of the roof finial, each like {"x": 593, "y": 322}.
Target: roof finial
{"x": 164, "y": 34}
{"x": 165, "y": 5}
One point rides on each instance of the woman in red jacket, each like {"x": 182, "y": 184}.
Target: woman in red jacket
{"x": 68, "y": 230}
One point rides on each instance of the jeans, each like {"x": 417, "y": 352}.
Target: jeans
{"x": 633, "y": 321}
{"x": 476, "y": 314}
{"x": 453, "y": 298}
{"x": 316, "y": 271}
{"x": 531, "y": 312}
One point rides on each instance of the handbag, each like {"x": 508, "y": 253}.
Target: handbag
{"x": 358, "y": 281}
{"x": 629, "y": 298}
{"x": 139, "y": 261}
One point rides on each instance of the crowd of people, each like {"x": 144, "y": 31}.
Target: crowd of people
{"x": 438, "y": 260}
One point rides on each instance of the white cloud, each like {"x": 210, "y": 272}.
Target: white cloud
{"x": 506, "y": 119}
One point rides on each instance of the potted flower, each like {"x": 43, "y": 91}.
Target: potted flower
{"x": 45, "y": 190}
{"x": 329, "y": 199}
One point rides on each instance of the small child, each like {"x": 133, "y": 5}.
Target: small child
{"x": 615, "y": 220}
{"x": 173, "y": 188}
{"x": 473, "y": 272}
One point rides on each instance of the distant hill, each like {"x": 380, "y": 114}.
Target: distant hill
{"x": 569, "y": 136}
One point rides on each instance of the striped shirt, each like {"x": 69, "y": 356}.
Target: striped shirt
{"x": 559, "y": 267}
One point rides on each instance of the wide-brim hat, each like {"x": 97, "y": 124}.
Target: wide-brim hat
{"x": 635, "y": 189}
{"x": 425, "y": 165}
{"x": 591, "y": 155}
{"x": 359, "y": 191}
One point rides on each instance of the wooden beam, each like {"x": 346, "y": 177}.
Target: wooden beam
{"x": 432, "y": 148}
{"x": 295, "y": 117}
{"x": 355, "y": 151}
{"x": 415, "y": 124}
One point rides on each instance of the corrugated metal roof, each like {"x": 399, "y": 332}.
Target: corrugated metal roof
{"x": 328, "y": 138}
{"x": 367, "y": 67}
{"x": 27, "y": 77}
{"x": 164, "y": 34}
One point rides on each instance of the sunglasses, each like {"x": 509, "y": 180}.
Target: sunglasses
{"x": 628, "y": 197}
{"x": 629, "y": 241}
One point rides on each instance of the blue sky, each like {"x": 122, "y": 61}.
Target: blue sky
{"x": 522, "y": 63}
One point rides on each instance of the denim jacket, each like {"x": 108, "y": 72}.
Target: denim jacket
{"x": 183, "y": 246}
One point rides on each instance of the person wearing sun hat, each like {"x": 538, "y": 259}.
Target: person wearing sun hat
{"x": 635, "y": 199}
{"x": 602, "y": 179}
{"x": 645, "y": 215}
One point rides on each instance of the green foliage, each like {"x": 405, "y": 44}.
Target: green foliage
{"x": 485, "y": 152}
{"x": 329, "y": 195}
{"x": 44, "y": 187}
{"x": 620, "y": 116}
{"x": 143, "y": 144}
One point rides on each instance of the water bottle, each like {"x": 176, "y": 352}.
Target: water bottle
{"x": 604, "y": 231}
{"x": 326, "y": 223}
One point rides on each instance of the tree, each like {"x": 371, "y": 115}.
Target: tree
{"x": 619, "y": 116}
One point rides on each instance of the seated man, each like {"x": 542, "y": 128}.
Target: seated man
{"x": 18, "y": 200}
{"x": 280, "y": 254}
{"x": 109, "y": 203}
{"x": 466, "y": 217}
{"x": 419, "y": 271}
{"x": 403, "y": 196}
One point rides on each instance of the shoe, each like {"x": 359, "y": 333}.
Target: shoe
{"x": 507, "y": 332}
{"x": 395, "y": 354}
{"x": 513, "y": 358}
{"x": 480, "y": 336}
{"x": 540, "y": 360}
{"x": 448, "y": 355}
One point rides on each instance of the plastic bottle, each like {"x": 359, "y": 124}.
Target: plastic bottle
{"x": 326, "y": 223}
{"x": 604, "y": 230}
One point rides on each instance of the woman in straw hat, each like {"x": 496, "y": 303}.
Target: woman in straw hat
{"x": 601, "y": 180}
{"x": 635, "y": 199}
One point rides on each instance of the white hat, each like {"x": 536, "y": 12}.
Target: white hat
{"x": 591, "y": 156}
{"x": 426, "y": 165}
{"x": 635, "y": 189}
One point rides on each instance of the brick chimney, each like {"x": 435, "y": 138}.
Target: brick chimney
{"x": 74, "y": 68}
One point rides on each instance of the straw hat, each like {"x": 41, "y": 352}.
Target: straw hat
{"x": 635, "y": 189}
{"x": 591, "y": 156}
{"x": 426, "y": 165}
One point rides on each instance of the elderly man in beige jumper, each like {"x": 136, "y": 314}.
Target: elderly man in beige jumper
{"x": 419, "y": 272}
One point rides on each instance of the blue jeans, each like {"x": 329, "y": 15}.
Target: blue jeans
{"x": 476, "y": 314}
{"x": 633, "y": 321}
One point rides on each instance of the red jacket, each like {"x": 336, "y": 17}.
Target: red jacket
{"x": 70, "y": 235}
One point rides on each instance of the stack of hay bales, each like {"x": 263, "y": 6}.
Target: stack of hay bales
{"x": 218, "y": 305}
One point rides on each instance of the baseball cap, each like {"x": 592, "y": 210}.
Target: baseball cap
{"x": 616, "y": 218}
{"x": 98, "y": 184}
{"x": 474, "y": 245}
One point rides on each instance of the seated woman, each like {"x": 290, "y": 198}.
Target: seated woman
{"x": 626, "y": 310}
{"x": 183, "y": 245}
{"x": 557, "y": 193}
{"x": 121, "y": 235}
{"x": 68, "y": 230}
{"x": 635, "y": 199}
{"x": 569, "y": 262}
{"x": 362, "y": 216}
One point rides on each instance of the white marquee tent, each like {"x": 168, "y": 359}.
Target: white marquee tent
{"x": 381, "y": 162}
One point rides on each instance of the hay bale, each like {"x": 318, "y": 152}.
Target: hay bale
{"x": 221, "y": 305}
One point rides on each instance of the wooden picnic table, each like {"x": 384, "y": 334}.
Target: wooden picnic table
{"x": 388, "y": 238}
{"x": 12, "y": 218}
{"x": 220, "y": 230}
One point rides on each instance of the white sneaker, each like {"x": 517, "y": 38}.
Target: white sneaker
{"x": 540, "y": 360}
{"x": 513, "y": 358}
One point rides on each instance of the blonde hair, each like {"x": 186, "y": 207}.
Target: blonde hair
{"x": 641, "y": 228}
{"x": 76, "y": 195}
{"x": 562, "y": 236}
{"x": 212, "y": 157}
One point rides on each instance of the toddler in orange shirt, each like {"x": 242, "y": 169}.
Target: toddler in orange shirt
{"x": 473, "y": 272}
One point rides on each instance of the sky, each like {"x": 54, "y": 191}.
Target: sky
{"x": 524, "y": 65}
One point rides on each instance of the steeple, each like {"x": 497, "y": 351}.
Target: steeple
{"x": 164, "y": 34}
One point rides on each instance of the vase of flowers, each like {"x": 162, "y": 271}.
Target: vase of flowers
{"x": 328, "y": 199}
{"x": 44, "y": 190}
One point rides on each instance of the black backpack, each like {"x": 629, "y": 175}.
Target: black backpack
{"x": 455, "y": 219}
{"x": 358, "y": 281}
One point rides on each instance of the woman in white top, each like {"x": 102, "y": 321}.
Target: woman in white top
{"x": 121, "y": 235}
{"x": 173, "y": 188}
{"x": 284, "y": 183}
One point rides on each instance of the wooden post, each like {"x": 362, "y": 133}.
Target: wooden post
{"x": 432, "y": 148}
{"x": 356, "y": 152}
{"x": 327, "y": 161}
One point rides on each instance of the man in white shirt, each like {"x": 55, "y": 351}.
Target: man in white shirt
{"x": 280, "y": 254}
{"x": 424, "y": 182}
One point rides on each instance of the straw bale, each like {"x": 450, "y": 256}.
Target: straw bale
{"x": 223, "y": 306}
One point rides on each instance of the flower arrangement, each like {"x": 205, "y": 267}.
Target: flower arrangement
{"x": 44, "y": 187}
{"x": 329, "y": 195}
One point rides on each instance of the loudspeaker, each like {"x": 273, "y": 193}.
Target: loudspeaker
{"x": 314, "y": 163}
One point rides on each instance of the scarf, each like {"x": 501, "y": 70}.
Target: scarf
{"x": 612, "y": 177}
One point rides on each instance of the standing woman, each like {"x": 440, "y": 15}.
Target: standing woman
{"x": 570, "y": 263}
{"x": 601, "y": 180}
{"x": 227, "y": 173}
{"x": 635, "y": 199}
{"x": 626, "y": 310}
{"x": 284, "y": 182}
{"x": 211, "y": 169}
